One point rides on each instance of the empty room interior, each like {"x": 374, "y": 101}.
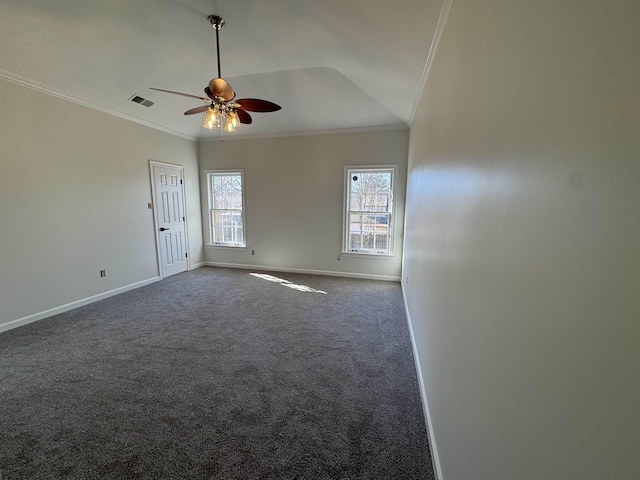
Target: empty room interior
{"x": 320, "y": 239}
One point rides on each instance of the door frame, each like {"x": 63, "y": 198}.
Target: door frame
{"x": 152, "y": 177}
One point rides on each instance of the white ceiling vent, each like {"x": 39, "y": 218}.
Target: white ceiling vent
{"x": 141, "y": 101}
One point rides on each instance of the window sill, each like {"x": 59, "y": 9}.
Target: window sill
{"x": 232, "y": 247}
{"x": 371, "y": 256}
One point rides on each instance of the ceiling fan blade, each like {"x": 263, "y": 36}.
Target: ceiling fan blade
{"x": 257, "y": 105}
{"x": 244, "y": 116}
{"x": 197, "y": 110}
{"x": 220, "y": 88}
{"x": 180, "y": 93}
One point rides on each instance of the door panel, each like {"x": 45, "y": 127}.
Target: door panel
{"x": 170, "y": 219}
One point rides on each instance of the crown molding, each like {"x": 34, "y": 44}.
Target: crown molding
{"x": 442, "y": 21}
{"x": 33, "y": 85}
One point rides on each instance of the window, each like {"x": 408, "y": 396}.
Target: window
{"x": 226, "y": 208}
{"x": 369, "y": 210}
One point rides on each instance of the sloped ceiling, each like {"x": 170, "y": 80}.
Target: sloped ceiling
{"x": 330, "y": 64}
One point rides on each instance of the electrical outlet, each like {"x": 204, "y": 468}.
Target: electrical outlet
{"x": 253, "y": 252}
{"x": 339, "y": 257}
{"x": 103, "y": 273}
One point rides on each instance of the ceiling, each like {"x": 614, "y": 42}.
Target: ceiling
{"x": 331, "y": 64}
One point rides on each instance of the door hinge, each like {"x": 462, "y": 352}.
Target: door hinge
{"x": 186, "y": 254}
{"x": 183, "y": 219}
{"x": 180, "y": 181}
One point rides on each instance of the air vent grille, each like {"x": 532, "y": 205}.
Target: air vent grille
{"x": 141, "y": 101}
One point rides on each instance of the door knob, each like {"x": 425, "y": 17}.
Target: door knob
{"x": 162, "y": 229}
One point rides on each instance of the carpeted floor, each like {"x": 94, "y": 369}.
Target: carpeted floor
{"x": 217, "y": 373}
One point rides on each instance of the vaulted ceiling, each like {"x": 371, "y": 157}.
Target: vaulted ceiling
{"x": 331, "y": 64}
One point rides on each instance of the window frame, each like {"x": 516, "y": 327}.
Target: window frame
{"x": 210, "y": 200}
{"x": 349, "y": 170}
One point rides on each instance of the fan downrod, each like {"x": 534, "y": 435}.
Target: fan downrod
{"x": 216, "y": 21}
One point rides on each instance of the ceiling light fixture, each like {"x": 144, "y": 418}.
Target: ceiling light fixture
{"x": 223, "y": 111}
{"x": 220, "y": 112}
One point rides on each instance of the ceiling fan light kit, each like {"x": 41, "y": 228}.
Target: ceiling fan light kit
{"x": 223, "y": 111}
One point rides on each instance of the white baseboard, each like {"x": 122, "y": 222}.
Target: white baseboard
{"x": 367, "y": 276}
{"x": 193, "y": 267}
{"x": 70, "y": 306}
{"x": 425, "y": 405}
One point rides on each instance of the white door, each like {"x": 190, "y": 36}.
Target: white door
{"x": 170, "y": 219}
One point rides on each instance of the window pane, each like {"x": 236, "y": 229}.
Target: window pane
{"x": 227, "y": 191}
{"x": 370, "y": 191}
{"x": 217, "y": 233}
{"x": 369, "y": 232}
{"x": 225, "y": 197}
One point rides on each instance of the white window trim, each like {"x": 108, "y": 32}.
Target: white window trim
{"x": 345, "y": 216}
{"x": 208, "y": 174}
{"x": 225, "y": 245}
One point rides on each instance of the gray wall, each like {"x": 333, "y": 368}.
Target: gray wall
{"x": 74, "y": 188}
{"x": 294, "y": 188}
{"x": 522, "y": 248}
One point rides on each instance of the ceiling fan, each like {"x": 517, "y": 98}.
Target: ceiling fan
{"x": 222, "y": 110}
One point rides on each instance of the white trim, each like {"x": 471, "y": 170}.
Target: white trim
{"x": 345, "y": 209}
{"x": 223, "y": 172}
{"x": 442, "y": 21}
{"x": 435, "y": 459}
{"x": 223, "y": 246}
{"x": 310, "y": 133}
{"x": 193, "y": 267}
{"x": 368, "y": 256}
{"x": 33, "y": 85}
{"x": 180, "y": 168}
{"x": 70, "y": 306}
{"x": 367, "y": 276}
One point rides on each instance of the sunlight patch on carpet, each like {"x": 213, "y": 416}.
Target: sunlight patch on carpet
{"x": 287, "y": 283}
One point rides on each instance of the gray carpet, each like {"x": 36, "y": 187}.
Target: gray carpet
{"x": 216, "y": 373}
